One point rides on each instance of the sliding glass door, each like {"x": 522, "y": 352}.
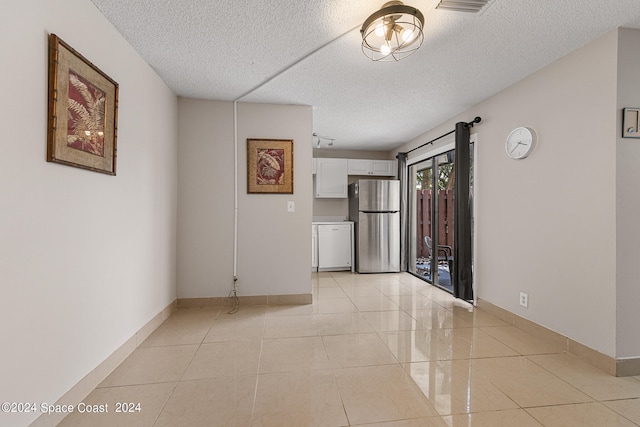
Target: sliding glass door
{"x": 431, "y": 238}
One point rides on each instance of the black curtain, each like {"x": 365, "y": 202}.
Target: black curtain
{"x": 462, "y": 256}
{"x": 404, "y": 210}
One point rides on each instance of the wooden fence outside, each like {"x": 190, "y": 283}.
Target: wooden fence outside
{"x": 445, "y": 220}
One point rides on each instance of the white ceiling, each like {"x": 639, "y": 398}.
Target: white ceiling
{"x": 309, "y": 52}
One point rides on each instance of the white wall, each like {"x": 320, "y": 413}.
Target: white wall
{"x": 205, "y": 198}
{"x": 628, "y": 200}
{"x": 546, "y": 225}
{"x": 274, "y": 252}
{"x": 86, "y": 259}
{"x": 274, "y": 246}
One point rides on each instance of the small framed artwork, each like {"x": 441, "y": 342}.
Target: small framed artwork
{"x": 270, "y": 166}
{"x": 630, "y": 123}
{"x": 83, "y": 111}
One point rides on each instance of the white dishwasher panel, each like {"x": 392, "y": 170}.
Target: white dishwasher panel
{"x": 334, "y": 247}
{"x": 314, "y": 247}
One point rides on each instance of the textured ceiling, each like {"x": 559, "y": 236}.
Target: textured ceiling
{"x": 308, "y": 52}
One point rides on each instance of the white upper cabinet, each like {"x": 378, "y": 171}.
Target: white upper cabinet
{"x": 331, "y": 175}
{"x": 359, "y": 166}
{"x": 331, "y": 178}
{"x": 383, "y": 167}
{"x": 371, "y": 167}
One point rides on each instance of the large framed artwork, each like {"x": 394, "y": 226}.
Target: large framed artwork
{"x": 83, "y": 111}
{"x": 270, "y": 166}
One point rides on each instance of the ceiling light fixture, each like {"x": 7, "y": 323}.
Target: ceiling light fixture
{"x": 393, "y": 32}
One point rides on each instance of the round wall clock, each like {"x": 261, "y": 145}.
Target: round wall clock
{"x": 520, "y": 142}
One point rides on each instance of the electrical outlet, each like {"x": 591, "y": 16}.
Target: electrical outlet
{"x": 524, "y": 300}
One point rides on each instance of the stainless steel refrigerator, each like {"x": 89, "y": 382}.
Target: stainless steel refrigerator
{"x": 374, "y": 207}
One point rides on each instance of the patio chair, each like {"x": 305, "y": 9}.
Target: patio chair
{"x": 445, "y": 253}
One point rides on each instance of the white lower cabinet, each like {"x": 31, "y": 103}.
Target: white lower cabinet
{"x": 334, "y": 247}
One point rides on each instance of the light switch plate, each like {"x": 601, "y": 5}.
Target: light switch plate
{"x": 291, "y": 206}
{"x": 631, "y": 123}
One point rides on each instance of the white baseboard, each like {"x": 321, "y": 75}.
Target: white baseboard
{"x": 616, "y": 367}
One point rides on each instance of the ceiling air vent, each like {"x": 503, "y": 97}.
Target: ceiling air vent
{"x": 469, "y": 6}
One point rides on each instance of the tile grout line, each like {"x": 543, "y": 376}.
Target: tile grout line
{"x": 335, "y": 382}
{"x": 255, "y": 390}
{"x": 185, "y": 370}
{"x": 164, "y": 405}
{"x": 622, "y": 415}
{"x": 561, "y": 379}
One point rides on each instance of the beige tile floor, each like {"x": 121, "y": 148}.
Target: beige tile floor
{"x": 372, "y": 350}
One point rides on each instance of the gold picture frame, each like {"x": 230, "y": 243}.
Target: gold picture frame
{"x": 270, "y": 166}
{"x": 83, "y": 111}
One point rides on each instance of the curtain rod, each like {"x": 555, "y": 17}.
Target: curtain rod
{"x": 471, "y": 123}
